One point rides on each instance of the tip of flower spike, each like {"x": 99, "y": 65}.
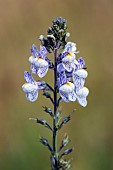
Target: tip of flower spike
{"x": 59, "y": 20}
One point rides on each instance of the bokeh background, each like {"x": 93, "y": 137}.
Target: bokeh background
{"x": 90, "y": 23}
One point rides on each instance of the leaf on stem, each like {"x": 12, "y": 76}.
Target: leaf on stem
{"x": 48, "y": 110}
{"x": 67, "y": 151}
{"x": 65, "y": 120}
{"x": 42, "y": 122}
{"x": 45, "y": 142}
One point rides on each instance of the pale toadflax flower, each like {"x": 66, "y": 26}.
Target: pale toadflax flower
{"x": 31, "y": 87}
{"x": 68, "y": 56}
{"x": 70, "y": 47}
{"x": 38, "y": 60}
{"x": 69, "y": 76}
{"x": 79, "y": 74}
{"x": 66, "y": 88}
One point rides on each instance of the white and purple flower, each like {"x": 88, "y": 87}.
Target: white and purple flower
{"x": 70, "y": 47}
{"x": 79, "y": 78}
{"x": 31, "y": 87}
{"x": 68, "y": 56}
{"x": 66, "y": 88}
{"x": 79, "y": 74}
{"x": 38, "y": 60}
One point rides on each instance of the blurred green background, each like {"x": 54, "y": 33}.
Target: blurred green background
{"x": 90, "y": 23}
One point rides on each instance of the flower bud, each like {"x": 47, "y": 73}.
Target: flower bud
{"x": 41, "y": 38}
{"x": 44, "y": 141}
{"x": 67, "y": 151}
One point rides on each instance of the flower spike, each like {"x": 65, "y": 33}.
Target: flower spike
{"x": 69, "y": 80}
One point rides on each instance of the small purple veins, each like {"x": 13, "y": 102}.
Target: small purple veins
{"x": 28, "y": 78}
{"x": 81, "y": 62}
{"x": 34, "y": 51}
{"x": 62, "y": 79}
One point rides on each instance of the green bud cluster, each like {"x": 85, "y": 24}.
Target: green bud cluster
{"x": 56, "y": 33}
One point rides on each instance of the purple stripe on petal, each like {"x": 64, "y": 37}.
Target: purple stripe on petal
{"x": 32, "y": 96}
{"x": 42, "y": 71}
{"x": 67, "y": 66}
{"x": 62, "y": 79}
{"x": 81, "y": 62}
{"x": 72, "y": 96}
{"x": 28, "y": 77}
{"x": 60, "y": 68}
{"x": 43, "y": 52}
{"x": 64, "y": 96}
{"x": 78, "y": 82}
{"x": 34, "y": 51}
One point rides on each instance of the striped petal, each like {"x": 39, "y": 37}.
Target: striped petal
{"x": 68, "y": 61}
{"x": 28, "y": 77}
{"x": 42, "y": 71}
{"x": 60, "y": 68}
{"x": 72, "y": 96}
{"x": 32, "y": 96}
{"x": 81, "y": 96}
{"x": 41, "y": 66}
{"x": 43, "y": 52}
{"x": 79, "y": 78}
{"x": 78, "y": 82}
{"x": 34, "y": 51}
{"x": 64, "y": 96}
{"x": 70, "y": 47}
{"x": 31, "y": 91}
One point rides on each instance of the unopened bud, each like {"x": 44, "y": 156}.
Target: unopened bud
{"x": 67, "y": 151}
{"x": 41, "y": 38}
{"x": 44, "y": 141}
{"x": 67, "y": 34}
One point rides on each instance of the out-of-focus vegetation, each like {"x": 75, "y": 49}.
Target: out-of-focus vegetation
{"x": 90, "y": 23}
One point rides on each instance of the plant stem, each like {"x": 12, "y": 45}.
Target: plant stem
{"x": 55, "y": 109}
